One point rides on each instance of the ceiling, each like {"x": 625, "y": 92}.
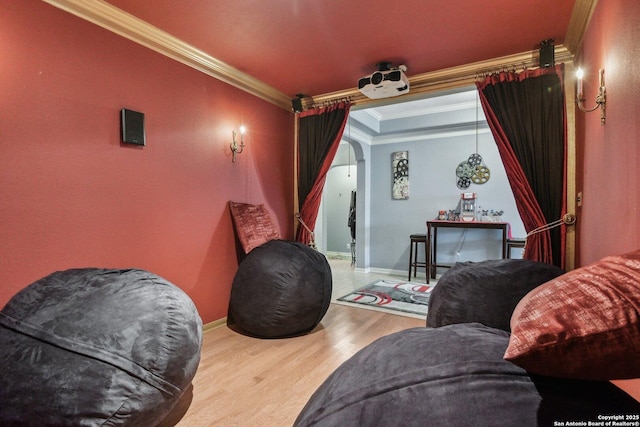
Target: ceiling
{"x": 317, "y": 47}
{"x": 451, "y": 114}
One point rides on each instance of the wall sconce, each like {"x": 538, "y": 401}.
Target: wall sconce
{"x": 601, "y": 98}
{"x": 235, "y": 148}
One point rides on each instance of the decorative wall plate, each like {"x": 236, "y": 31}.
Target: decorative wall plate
{"x": 471, "y": 171}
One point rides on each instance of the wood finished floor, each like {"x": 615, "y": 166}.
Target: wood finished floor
{"x": 244, "y": 381}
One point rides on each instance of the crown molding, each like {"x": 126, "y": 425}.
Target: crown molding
{"x": 424, "y": 135}
{"x": 126, "y": 25}
{"x": 580, "y": 18}
{"x": 417, "y": 112}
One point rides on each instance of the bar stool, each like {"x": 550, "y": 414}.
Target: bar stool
{"x": 413, "y": 253}
{"x": 515, "y": 242}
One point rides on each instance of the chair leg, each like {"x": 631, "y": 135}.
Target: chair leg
{"x": 415, "y": 260}
{"x": 411, "y": 264}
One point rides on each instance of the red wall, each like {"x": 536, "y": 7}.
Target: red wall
{"x": 71, "y": 195}
{"x": 610, "y": 154}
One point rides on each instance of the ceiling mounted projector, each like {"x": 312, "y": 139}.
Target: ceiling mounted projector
{"x": 385, "y": 83}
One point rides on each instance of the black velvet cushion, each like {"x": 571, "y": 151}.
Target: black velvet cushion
{"x": 486, "y": 292}
{"x": 96, "y": 347}
{"x": 452, "y": 376}
{"x": 281, "y": 288}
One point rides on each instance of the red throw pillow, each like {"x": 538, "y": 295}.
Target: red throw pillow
{"x": 253, "y": 225}
{"x": 584, "y": 324}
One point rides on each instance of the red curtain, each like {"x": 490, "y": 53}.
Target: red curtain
{"x": 320, "y": 131}
{"x": 526, "y": 115}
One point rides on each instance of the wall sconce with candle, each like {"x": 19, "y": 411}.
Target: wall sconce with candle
{"x": 601, "y": 98}
{"x": 235, "y": 147}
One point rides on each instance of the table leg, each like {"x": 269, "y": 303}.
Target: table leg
{"x": 410, "y": 258}
{"x": 428, "y": 252}
{"x": 435, "y": 252}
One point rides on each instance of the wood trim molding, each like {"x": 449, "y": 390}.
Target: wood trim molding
{"x": 126, "y": 25}
{"x": 580, "y": 18}
{"x": 214, "y": 325}
{"x": 571, "y": 197}
{"x": 448, "y": 78}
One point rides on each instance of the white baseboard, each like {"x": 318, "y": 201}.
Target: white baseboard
{"x": 384, "y": 271}
{"x": 338, "y": 255}
{"x": 400, "y": 273}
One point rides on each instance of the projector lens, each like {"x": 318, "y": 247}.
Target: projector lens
{"x": 376, "y": 78}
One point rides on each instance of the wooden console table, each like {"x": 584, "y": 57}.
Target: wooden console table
{"x": 432, "y": 243}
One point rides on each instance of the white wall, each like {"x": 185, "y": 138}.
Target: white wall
{"x": 433, "y": 186}
{"x": 341, "y": 180}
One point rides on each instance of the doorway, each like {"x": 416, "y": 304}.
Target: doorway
{"x": 438, "y": 133}
{"x": 333, "y": 232}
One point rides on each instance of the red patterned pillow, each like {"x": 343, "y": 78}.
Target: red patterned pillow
{"x": 253, "y": 225}
{"x": 584, "y": 324}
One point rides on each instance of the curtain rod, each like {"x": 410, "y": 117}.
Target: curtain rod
{"x": 329, "y": 102}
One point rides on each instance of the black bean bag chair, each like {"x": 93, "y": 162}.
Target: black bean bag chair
{"x": 281, "y": 289}
{"x": 453, "y": 376}
{"x": 96, "y": 347}
{"x": 486, "y": 292}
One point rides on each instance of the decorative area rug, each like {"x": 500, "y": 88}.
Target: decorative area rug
{"x": 395, "y": 295}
